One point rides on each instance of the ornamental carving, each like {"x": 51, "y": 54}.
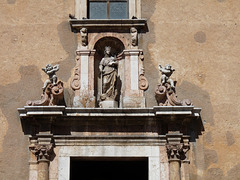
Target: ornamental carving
{"x": 75, "y": 83}
{"x": 84, "y": 36}
{"x": 41, "y": 151}
{"x": 143, "y": 82}
{"x": 134, "y": 36}
{"x": 52, "y": 89}
{"x": 165, "y": 92}
{"x": 177, "y": 151}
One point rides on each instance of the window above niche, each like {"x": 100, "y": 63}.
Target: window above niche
{"x": 108, "y": 9}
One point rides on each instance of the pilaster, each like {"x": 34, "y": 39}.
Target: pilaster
{"x": 177, "y": 147}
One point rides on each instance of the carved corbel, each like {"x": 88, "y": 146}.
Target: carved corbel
{"x": 42, "y": 151}
{"x": 84, "y": 36}
{"x": 134, "y": 36}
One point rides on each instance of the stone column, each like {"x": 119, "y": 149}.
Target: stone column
{"x": 42, "y": 152}
{"x": 176, "y": 150}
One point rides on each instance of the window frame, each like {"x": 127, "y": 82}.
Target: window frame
{"x": 108, "y": 7}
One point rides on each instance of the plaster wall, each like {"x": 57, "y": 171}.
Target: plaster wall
{"x": 200, "y": 39}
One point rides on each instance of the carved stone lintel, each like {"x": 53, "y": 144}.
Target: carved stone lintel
{"x": 42, "y": 151}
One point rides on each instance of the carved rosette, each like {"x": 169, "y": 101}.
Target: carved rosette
{"x": 177, "y": 152}
{"x": 42, "y": 151}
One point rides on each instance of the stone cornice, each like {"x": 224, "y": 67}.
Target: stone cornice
{"x": 109, "y": 25}
{"x": 157, "y": 111}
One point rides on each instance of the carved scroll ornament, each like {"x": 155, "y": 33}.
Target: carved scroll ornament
{"x": 143, "y": 82}
{"x": 52, "y": 90}
{"x": 165, "y": 91}
{"x": 75, "y": 83}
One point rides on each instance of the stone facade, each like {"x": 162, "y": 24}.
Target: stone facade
{"x": 200, "y": 39}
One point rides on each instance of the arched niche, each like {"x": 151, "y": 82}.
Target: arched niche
{"x": 117, "y": 48}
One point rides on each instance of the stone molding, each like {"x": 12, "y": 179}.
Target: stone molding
{"x": 123, "y": 25}
{"x": 155, "y": 111}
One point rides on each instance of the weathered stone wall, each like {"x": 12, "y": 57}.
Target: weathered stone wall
{"x": 33, "y": 34}
{"x": 200, "y": 39}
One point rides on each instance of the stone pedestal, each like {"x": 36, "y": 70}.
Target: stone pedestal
{"x": 108, "y": 104}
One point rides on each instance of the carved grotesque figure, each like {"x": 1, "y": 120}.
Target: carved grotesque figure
{"x": 134, "y": 35}
{"x": 50, "y": 70}
{"x": 166, "y": 73}
{"x": 84, "y": 36}
{"x": 108, "y": 70}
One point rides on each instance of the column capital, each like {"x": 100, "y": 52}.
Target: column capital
{"x": 177, "y": 146}
{"x": 42, "y": 151}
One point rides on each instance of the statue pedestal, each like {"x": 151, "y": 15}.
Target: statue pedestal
{"x": 108, "y": 104}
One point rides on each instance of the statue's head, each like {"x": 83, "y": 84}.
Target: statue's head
{"x": 168, "y": 67}
{"x": 133, "y": 30}
{"x": 107, "y": 50}
{"x": 49, "y": 67}
{"x": 84, "y": 30}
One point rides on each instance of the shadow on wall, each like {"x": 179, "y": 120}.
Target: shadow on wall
{"x": 13, "y": 96}
{"x": 199, "y": 97}
{"x": 151, "y": 72}
{"x": 68, "y": 41}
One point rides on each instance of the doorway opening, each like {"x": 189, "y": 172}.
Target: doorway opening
{"x": 109, "y": 168}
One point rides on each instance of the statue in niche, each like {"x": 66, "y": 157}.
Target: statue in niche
{"x": 165, "y": 91}
{"x": 52, "y": 89}
{"x": 108, "y": 69}
{"x": 84, "y": 36}
{"x": 134, "y": 35}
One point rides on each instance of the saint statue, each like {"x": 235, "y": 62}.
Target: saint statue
{"x": 108, "y": 70}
